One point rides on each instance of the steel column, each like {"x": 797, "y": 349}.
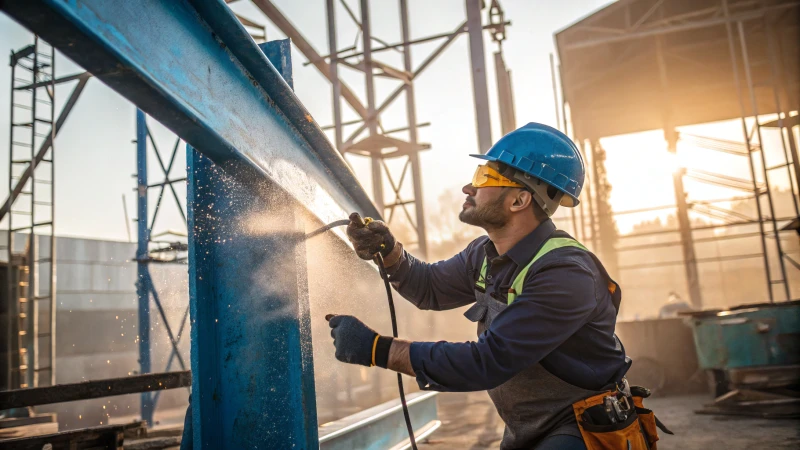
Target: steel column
{"x": 142, "y": 278}
{"x": 479, "y": 86}
{"x": 605, "y": 217}
{"x": 682, "y": 211}
{"x": 411, "y": 114}
{"x": 330, "y": 8}
{"x": 588, "y": 198}
{"x": 251, "y": 345}
{"x": 505, "y": 95}
{"x": 684, "y": 226}
{"x": 371, "y": 120}
{"x": 563, "y": 128}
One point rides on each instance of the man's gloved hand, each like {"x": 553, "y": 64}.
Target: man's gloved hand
{"x": 354, "y": 341}
{"x": 374, "y": 237}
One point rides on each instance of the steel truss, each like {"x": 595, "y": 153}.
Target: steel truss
{"x": 379, "y": 145}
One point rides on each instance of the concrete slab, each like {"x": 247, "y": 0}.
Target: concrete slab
{"x": 469, "y": 421}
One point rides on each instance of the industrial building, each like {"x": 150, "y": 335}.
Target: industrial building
{"x": 219, "y": 292}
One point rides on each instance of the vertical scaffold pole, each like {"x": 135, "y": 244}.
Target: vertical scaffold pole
{"x": 143, "y": 280}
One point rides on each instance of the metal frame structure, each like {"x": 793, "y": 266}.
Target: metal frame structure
{"x": 244, "y": 135}
{"x": 378, "y": 145}
{"x": 145, "y": 255}
{"x": 33, "y": 90}
{"x": 638, "y": 89}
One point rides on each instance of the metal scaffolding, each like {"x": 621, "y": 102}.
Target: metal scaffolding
{"x": 368, "y": 137}
{"x": 640, "y": 65}
{"x": 31, "y": 214}
{"x": 155, "y": 251}
{"x": 30, "y": 208}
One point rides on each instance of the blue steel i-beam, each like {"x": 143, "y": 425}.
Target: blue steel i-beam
{"x": 191, "y": 65}
{"x": 143, "y": 279}
{"x": 253, "y": 383}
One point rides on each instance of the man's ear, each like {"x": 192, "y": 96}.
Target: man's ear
{"x": 522, "y": 199}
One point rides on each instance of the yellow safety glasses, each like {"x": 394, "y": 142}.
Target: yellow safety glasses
{"x": 486, "y": 176}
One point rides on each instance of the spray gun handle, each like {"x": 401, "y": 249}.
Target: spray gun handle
{"x": 356, "y": 217}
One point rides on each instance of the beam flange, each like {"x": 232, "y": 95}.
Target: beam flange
{"x": 224, "y": 97}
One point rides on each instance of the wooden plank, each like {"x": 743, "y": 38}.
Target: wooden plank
{"x": 105, "y": 437}
{"x": 59, "y": 393}
{"x": 153, "y": 443}
{"x": 30, "y": 430}
{"x": 11, "y": 422}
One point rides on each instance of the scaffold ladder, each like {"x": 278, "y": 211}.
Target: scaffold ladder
{"x": 771, "y": 84}
{"x": 31, "y": 213}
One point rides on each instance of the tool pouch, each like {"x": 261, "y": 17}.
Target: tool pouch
{"x": 647, "y": 418}
{"x": 597, "y": 435}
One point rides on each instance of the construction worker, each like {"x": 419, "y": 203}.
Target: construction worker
{"x": 544, "y": 306}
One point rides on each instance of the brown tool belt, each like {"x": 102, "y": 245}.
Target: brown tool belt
{"x": 614, "y": 420}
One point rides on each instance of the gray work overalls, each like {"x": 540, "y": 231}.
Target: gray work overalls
{"x": 534, "y": 403}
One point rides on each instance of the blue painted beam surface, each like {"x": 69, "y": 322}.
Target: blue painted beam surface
{"x": 254, "y": 383}
{"x": 251, "y": 341}
{"x": 192, "y": 66}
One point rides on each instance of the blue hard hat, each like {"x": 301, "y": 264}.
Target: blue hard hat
{"x": 544, "y": 153}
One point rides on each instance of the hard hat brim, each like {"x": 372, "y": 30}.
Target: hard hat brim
{"x": 567, "y": 200}
{"x": 486, "y": 157}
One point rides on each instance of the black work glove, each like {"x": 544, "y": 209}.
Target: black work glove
{"x": 354, "y": 341}
{"x": 369, "y": 239}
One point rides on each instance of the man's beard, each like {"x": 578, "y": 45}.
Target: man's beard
{"x": 489, "y": 216}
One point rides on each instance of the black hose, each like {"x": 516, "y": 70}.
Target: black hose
{"x": 392, "y": 314}
{"x": 379, "y": 260}
{"x": 327, "y": 227}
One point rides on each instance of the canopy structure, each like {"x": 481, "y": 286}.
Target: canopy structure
{"x": 638, "y": 63}
{"x": 641, "y": 65}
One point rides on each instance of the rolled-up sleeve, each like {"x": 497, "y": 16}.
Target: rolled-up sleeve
{"x": 438, "y": 286}
{"x": 555, "y": 302}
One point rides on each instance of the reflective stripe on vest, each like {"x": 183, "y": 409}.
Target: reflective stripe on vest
{"x": 516, "y": 286}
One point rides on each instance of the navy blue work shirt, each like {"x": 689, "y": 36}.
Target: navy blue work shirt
{"x": 564, "y": 317}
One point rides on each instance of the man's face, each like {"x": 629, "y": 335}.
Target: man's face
{"x": 485, "y": 207}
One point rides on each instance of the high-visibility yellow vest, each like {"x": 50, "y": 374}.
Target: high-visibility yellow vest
{"x": 516, "y": 286}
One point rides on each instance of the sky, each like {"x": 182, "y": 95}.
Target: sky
{"x": 96, "y": 156}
